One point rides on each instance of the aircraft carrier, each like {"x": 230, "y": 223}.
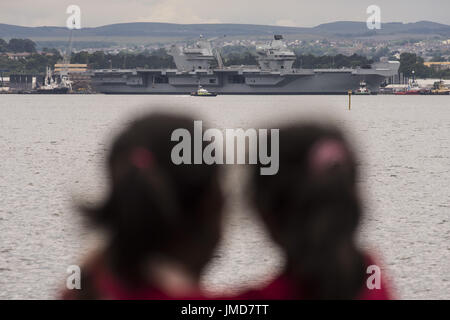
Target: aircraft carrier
{"x": 201, "y": 65}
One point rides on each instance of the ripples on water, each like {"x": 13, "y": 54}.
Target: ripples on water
{"x": 52, "y": 148}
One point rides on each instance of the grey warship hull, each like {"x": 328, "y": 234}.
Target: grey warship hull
{"x": 332, "y": 81}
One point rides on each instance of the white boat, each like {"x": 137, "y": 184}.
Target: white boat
{"x": 202, "y": 92}
{"x": 362, "y": 89}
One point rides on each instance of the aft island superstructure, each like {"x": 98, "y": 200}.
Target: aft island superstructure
{"x": 201, "y": 65}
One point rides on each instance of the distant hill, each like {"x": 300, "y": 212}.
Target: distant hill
{"x": 150, "y": 29}
{"x": 161, "y": 30}
{"x": 360, "y": 28}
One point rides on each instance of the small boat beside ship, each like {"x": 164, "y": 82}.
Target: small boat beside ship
{"x": 363, "y": 90}
{"x": 412, "y": 89}
{"x": 440, "y": 89}
{"x": 50, "y": 86}
{"x": 202, "y": 92}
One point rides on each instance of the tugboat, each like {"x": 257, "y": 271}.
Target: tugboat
{"x": 412, "y": 89}
{"x": 440, "y": 89}
{"x": 362, "y": 91}
{"x": 51, "y": 87}
{"x": 202, "y": 92}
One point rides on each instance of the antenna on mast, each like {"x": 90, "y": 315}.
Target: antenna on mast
{"x": 64, "y": 73}
{"x": 68, "y": 55}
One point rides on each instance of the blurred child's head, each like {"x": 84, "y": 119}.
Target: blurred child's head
{"x": 156, "y": 209}
{"x": 312, "y": 209}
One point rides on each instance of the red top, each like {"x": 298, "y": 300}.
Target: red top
{"x": 284, "y": 288}
{"x": 106, "y": 286}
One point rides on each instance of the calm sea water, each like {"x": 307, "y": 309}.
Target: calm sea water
{"x": 52, "y": 150}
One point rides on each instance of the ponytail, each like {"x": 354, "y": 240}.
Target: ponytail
{"x": 320, "y": 243}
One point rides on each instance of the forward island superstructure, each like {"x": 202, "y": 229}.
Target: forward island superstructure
{"x": 201, "y": 65}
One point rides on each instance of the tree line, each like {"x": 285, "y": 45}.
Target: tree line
{"x": 34, "y": 64}
{"x": 123, "y": 60}
{"x": 412, "y": 65}
{"x": 17, "y": 45}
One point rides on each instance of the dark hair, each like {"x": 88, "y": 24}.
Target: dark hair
{"x": 157, "y": 208}
{"x": 312, "y": 210}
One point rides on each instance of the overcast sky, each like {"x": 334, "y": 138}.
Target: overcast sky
{"x": 274, "y": 12}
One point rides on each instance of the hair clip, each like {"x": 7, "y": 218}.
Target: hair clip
{"x": 326, "y": 154}
{"x": 141, "y": 158}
